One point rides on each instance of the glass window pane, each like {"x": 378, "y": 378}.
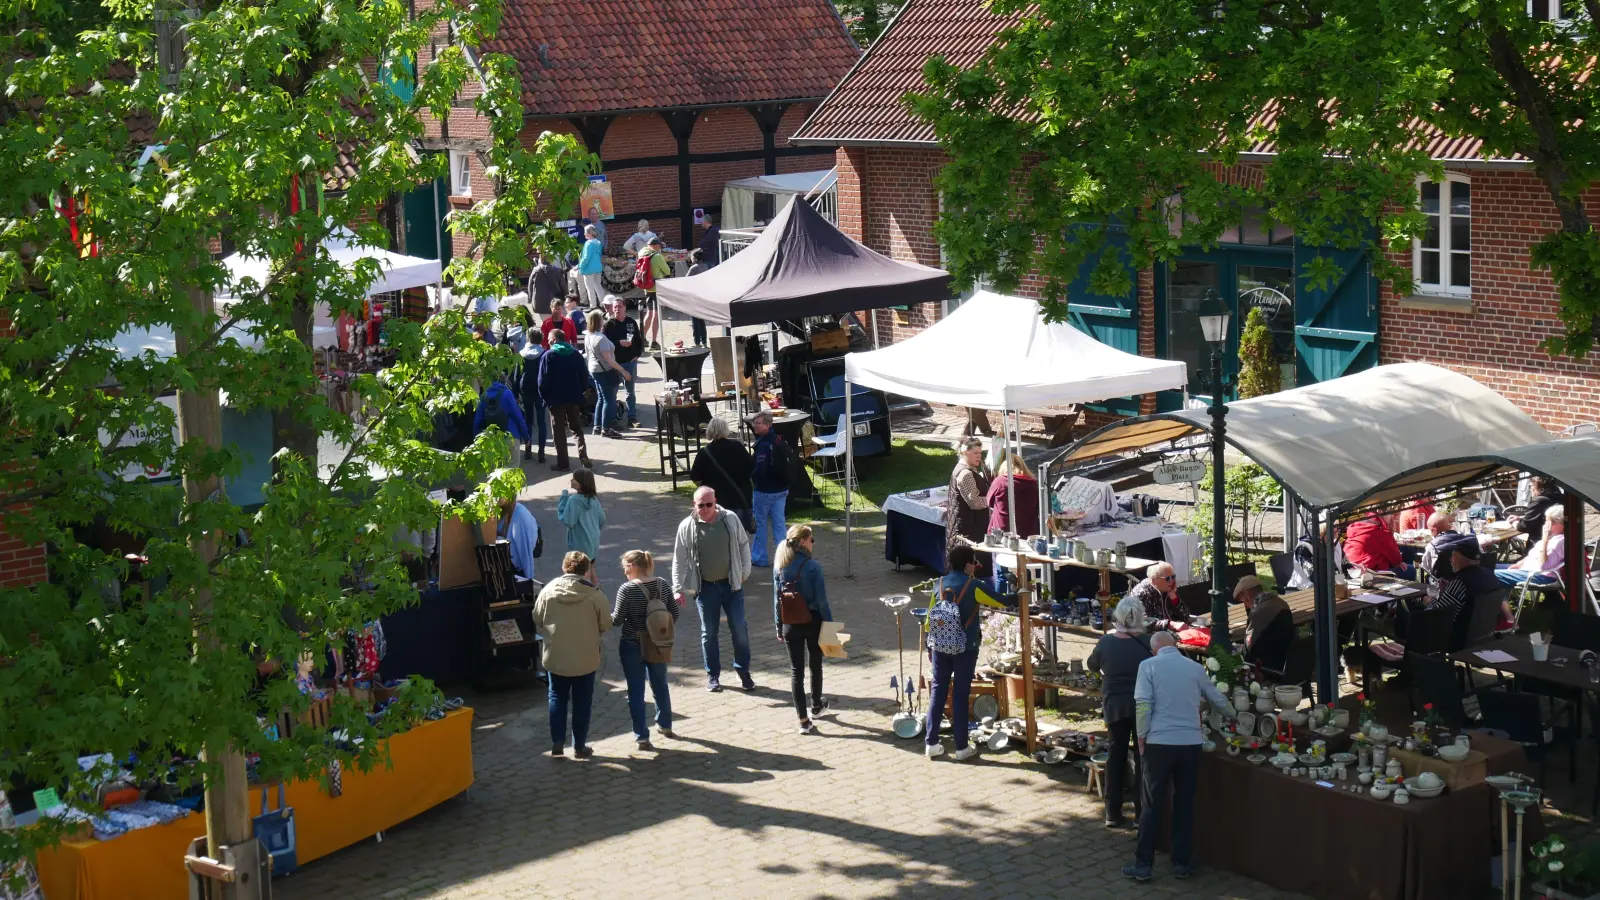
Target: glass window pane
{"x": 1461, "y": 270}
{"x": 1430, "y": 238}
{"x": 1271, "y": 290}
{"x": 1230, "y": 235}
{"x": 1460, "y": 198}
{"x": 1460, "y": 233}
{"x": 1430, "y": 197}
{"x": 1282, "y": 234}
{"x": 1254, "y": 228}
{"x": 1430, "y": 267}
{"x": 1187, "y": 283}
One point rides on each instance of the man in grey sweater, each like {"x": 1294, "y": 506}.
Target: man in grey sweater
{"x": 710, "y": 562}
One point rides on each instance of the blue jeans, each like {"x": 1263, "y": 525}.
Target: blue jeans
{"x": 634, "y": 671}
{"x": 630, "y": 386}
{"x": 948, "y": 668}
{"x": 538, "y": 417}
{"x": 716, "y": 597}
{"x": 605, "y": 403}
{"x": 1514, "y": 577}
{"x": 769, "y": 519}
{"x": 575, "y": 692}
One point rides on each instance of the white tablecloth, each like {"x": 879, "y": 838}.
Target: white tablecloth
{"x": 1181, "y": 548}
{"x": 1129, "y": 533}
{"x": 929, "y": 509}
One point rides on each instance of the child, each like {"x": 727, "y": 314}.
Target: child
{"x": 582, "y": 514}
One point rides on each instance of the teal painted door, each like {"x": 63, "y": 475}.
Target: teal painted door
{"x": 1113, "y": 321}
{"x": 1336, "y": 325}
{"x": 425, "y": 208}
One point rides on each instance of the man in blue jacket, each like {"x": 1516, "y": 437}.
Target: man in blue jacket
{"x": 498, "y": 406}
{"x": 563, "y": 375}
{"x": 770, "y": 479}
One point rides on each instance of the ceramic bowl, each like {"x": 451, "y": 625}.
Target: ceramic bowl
{"x": 1207, "y": 746}
{"x": 1364, "y": 777}
{"x": 1341, "y": 718}
{"x": 1377, "y": 732}
{"x": 1427, "y": 780}
{"x": 999, "y": 741}
{"x": 1056, "y": 756}
{"x": 1382, "y": 791}
{"x": 1256, "y": 759}
{"x": 1402, "y": 796}
{"x": 1283, "y": 760}
{"x": 1288, "y": 695}
{"x": 1452, "y": 753}
{"x": 1345, "y": 758}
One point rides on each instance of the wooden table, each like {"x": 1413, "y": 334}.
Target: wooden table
{"x": 1303, "y": 603}
{"x": 1560, "y": 668}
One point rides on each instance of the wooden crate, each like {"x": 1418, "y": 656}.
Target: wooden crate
{"x": 825, "y": 341}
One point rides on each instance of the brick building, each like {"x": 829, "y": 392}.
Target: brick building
{"x": 1478, "y": 307}
{"x": 677, "y": 97}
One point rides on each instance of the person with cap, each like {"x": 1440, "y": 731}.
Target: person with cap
{"x": 1463, "y": 583}
{"x": 1269, "y": 626}
{"x": 623, "y": 332}
{"x": 656, "y": 252}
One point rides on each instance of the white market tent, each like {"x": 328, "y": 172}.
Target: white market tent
{"x": 739, "y": 196}
{"x": 1034, "y": 364}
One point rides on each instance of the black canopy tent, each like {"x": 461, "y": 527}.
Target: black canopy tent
{"x": 801, "y": 266}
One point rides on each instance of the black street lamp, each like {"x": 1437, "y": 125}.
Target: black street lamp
{"x": 1214, "y": 325}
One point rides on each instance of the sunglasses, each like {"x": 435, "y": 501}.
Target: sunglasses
{"x": 704, "y": 505}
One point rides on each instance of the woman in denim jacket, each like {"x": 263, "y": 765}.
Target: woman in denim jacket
{"x": 793, "y": 563}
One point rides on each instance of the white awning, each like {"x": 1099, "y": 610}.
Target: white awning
{"x": 998, "y": 352}
{"x": 1572, "y": 461}
{"x": 399, "y": 271}
{"x": 1335, "y": 441}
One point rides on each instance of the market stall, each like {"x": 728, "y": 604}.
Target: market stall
{"x": 747, "y": 202}
{"x": 1044, "y": 364}
{"x": 428, "y": 765}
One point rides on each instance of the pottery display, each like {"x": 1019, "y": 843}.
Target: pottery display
{"x": 1283, "y": 760}
{"x": 1425, "y": 785}
{"x": 1394, "y": 769}
{"x": 1241, "y": 699}
{"x": 1297, "y": 719}
{"x": 1288, "y": 695}
{"x": 1364, "y": 777}
{"x": 1263, "y": 704}
{"x": 1381, "y": 791}
{"x": 1341, "y": 718}
{"x": 1380, "y": 757}
{"x": 1256, "y": 759}
{"x": 1267, "y": 725}
{"x": 1402, "y": 797}
{"x": 1207, "y": 746}
{"x": 1378, "y": 733}
{"x": 1452, "y": 753}
{"x": 1342, "y": 758}
{"x": 1247, "y": 723}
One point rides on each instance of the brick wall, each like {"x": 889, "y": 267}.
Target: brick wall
{"x": 21, "y": 564}
{"x": 1513, "y": 308}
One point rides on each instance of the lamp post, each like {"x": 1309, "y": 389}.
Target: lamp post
{"x": 1214, "y": 325}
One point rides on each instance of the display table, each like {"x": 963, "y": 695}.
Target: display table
{"x": 430, "y": 764}
{"x": 914, "y": 528}
{"x": 437, "y": 638}
{"x": 1296, "y": 836}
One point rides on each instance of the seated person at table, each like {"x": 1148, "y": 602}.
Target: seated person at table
{"x": 1545, "y": 558}
{"x": 1159, "y": 594}
{"x": 1440, "y": 523}
{"x": 1546, "y": 496}
{"x": 1415, "y": 517}
{"x": 1370, "y": 544}
{"x": 1270, "y": 627}
{"x": 1464, "y": 583}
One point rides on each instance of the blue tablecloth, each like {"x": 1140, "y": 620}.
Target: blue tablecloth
{"x": 437, "y": 638}
{"x": 910, "y": 540}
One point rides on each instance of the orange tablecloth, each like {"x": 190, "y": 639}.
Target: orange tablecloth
{"x": 430, "y": 764}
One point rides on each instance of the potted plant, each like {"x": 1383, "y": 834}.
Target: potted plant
{"x": 1561, "y": 871}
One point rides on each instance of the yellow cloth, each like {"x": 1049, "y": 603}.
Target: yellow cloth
{"x": 431, "y": 763}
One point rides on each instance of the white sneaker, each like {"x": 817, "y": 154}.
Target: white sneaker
{"x": 933, "y": 750}
{"x": 966, "y": 752}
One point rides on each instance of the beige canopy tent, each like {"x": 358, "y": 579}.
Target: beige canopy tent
{"x": 1333, "y": 443}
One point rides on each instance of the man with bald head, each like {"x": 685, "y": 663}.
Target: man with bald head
{"x": 710, "y": 562}
{"x": 1159, "y": 594}
{"x": 1166, "y": 698}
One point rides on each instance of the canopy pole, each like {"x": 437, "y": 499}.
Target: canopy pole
{"x": 1011, "y": 479}
{"x": 849, "y": 473}
{"x": 1325, "y": 630}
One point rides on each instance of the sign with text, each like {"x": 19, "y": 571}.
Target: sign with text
{"x": 1185, "y": 471}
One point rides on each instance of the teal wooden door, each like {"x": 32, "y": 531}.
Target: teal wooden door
{"x": 424, "y": 209}
{"x": 1336, "y": 325}
{"x": 1113, "y": 321}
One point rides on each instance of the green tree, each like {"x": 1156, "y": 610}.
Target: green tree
{"x": 866, "y": 19}
{"x": 1122, "y": 110}
{"x": 118, "y": 181}
{"x": 1259, "y": 371}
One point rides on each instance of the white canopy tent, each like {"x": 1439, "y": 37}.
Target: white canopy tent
{"x": 1037, "y": 364}
{"x": 739, "y": 196}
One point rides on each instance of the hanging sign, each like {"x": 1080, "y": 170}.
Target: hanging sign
{"x": 1186, "y": 471}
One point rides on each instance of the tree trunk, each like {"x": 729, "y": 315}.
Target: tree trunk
{"x": 226, "y": 790}
{"x": 290, "y": 429}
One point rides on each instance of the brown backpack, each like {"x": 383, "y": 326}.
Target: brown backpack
{"x": 792, "y": 608}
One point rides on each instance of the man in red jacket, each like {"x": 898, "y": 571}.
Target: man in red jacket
{"x": 1370, "y": 544}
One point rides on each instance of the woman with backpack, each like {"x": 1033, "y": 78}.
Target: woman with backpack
{"x": 1116, "y": 659}
{"x": 799, "y": 607}
{"x": 608, "y": 374}
{"x": 645, "y": 613}
{"x": 582, "y": 513}
{"x": 953, "y": 639}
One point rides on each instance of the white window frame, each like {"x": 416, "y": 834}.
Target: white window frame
{"x": 1551, "y": 11}
{"x": 460, "y": 173}
{"x": 1443, "y": 288}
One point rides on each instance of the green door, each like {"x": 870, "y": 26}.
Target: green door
{"x": 1113, "y": 321}
{"x": 425, "y": 208}
{"x": 1336, "y": 325}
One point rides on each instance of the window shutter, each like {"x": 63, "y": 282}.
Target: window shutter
{"x": 1113, "y": 321}
{"x": 1336, "y": 326}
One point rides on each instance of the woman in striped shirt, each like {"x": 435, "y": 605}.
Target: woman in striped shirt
{"x": 628, "y": 616}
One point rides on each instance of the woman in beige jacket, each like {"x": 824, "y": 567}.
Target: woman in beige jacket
{"x": 572, "y": 613}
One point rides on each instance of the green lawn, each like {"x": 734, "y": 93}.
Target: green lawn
{"x": 910, "y": 466}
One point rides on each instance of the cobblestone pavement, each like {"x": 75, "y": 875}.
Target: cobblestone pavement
{"x": 741, "y": 805}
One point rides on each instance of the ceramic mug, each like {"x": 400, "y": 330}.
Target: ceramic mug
{"x": 1463, "y": 742}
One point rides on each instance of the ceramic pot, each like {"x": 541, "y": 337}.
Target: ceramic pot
{"x": 1364, "y": 777}
{"x": 1341, "y": 718}
{"x": 1264, "y": 704}
{"x": 1393, "y": 769}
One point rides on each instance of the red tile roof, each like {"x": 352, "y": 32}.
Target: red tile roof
{"x": 612, "y": 55}
{"x": 867, "y": 107}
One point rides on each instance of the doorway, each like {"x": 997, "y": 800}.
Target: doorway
{"x": 1244, "y": 279}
